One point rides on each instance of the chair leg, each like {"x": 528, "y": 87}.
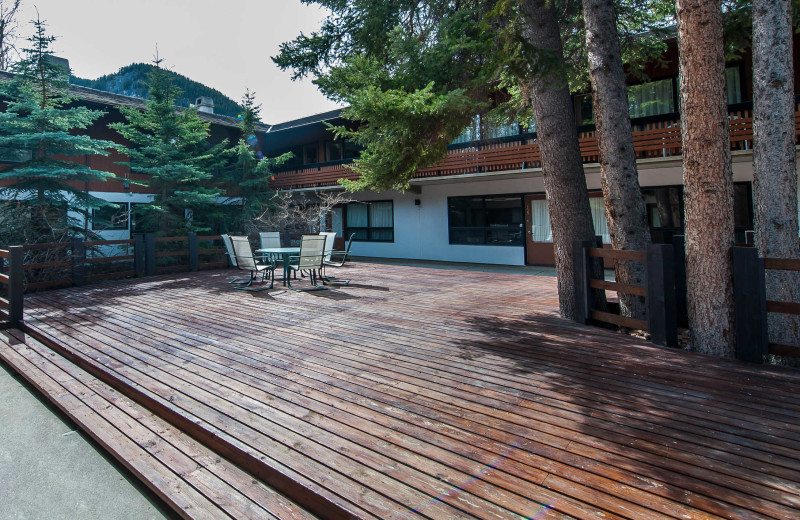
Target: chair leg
{"x": 247, "y": 286}
{"x": 332, "y": 280}
{"x": 313, "y": 282}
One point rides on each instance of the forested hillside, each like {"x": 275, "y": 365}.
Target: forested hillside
{"x": 132, "y": 81}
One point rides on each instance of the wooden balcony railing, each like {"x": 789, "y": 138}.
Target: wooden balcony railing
{"x": 652, "y": 138}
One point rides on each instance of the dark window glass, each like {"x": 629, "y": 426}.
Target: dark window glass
{"x": 587, "y": 110}
{"x": 310, "y": 154}
{"x": 333, "y": 150}
{"x": 110, "y": 217}
{"x": 139, "y": 223}
{"x": 486, "y": 220}
{"x": 370, "y": 221}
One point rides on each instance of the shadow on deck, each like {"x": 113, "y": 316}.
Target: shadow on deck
{"x": 413, "y": 393}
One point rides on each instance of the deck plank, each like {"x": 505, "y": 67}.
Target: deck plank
{"x": 421, "y": 392}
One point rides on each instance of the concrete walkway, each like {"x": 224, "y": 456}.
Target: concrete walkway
{"x": 49, "y": 470}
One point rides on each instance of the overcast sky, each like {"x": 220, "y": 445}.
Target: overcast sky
{"x": 225, "y": 44}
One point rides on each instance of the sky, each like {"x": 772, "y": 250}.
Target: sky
{"x": 225, "y": 44}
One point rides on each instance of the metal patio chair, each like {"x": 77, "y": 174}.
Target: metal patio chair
{"x": 336, "y": 259}
{"x": 226, "y": 240}
{"x": 312, "y": 252}
{"x": 246, "y": 261}
{"x": 269, "y": 240}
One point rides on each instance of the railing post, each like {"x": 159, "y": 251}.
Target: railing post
{"x": 16, "y": 284}
{"x": 679, "y": 255}
{"x": 582, "y": 269}
{"x": 78, "y": 261}
{"x": 150, "y": 254}
{"x": 750, "y": 305}
{"x": 662, "y": 323}
{"x": 139, "y": 254}
{"x": 194, "y": 254}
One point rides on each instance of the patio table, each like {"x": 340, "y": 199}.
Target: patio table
{"x": 285, "y": 252}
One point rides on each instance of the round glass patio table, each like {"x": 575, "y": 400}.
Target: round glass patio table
{"x": 285, "y": 253}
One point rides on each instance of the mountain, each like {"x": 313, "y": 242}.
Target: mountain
{"x": 132, "y": 81}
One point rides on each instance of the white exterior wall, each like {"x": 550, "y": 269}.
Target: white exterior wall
{"x": 119, "y": 197}
{"x": 421, "y": 232}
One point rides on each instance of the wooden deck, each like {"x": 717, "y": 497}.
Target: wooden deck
{"x": 413, "y": 393}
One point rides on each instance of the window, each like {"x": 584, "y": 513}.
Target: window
{"x": 664, "y": 207}
{"x": 490, "y": 130}
{"x": 470, "y": 133}
{"x": 141, "y": 221}
{"x": 651, "y": 99}
{"x": 585, "y": 109}
{"x": 540, "y": 220}
{"x": 370, "y": 221}
{"x": 110, "y": 217}
{"x": 486, "y": 220}
{"x": 310, "y": 154}
{"x": 598, "y": 207}
{"x": 333, "y": 150}
{"x": 733, "y": 85}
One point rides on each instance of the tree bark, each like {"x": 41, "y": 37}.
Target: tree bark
{"x": 707, "y": 177}
{"x": 557, "y": 135}
{"x": 625, "y": 211}
{"x": 774, "y": 159}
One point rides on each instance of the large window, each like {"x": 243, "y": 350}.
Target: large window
{"x": 733, "y": 85}
{"x": 486, "y": 220}
{"x": 110, "y": 217}
{"x": 370, "y": 221}
{"x": 540, "y": 220}
{"x": 483, "y": 128}
{"x": 651, "y": 99}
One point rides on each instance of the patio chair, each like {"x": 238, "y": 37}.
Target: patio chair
{"x": 226, "y": 240}
{"x": 268, "y": 240}
{"x": 336, "y": 259}
{"x": 312, "y": 252}
{"x": 246, "y": 261}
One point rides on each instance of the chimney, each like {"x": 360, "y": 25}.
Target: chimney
{"x": 58, "y": 62}
{"x": 205, "y": 104}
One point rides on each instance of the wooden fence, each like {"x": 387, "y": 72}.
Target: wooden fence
{"x": 12, "y": 279}
{"x": 665, "y": 295}
{"x": 78, "y": 263}
{"x": 659, "y": 291}
{"x": 752, "y": 307}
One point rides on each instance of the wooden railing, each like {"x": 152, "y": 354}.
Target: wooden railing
{"x": 652, "y": 138}
{"x": 78, "y": 262}
{"x": 659, "y": 292}
{"x": 12, "y": 278}
{"x": 752, "y": 306}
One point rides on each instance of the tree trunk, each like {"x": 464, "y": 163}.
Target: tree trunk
{"x": 557, "y": 135}
{"x": 707, "y": 177}
{"x": 627, "y": 220}
{"x": 774, "y": 161}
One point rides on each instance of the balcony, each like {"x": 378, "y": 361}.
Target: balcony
{"x": 653, "y": 137}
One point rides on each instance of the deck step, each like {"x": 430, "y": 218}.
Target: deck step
{"x": 192, "y": 479}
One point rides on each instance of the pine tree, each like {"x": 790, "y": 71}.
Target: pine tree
{"x": 171, "y": 147}
{"x": 625, "y": 209}
{"x": 707, "y": 176}
{"x": 248, "y": 172}
{"x": 774, "y": 159}
{"x": 39, "y": 129}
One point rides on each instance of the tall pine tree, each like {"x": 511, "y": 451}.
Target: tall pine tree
{"x": 40, "y": 129}
{"x": 171, "y": 147}
{"x": 247, "y": 174}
